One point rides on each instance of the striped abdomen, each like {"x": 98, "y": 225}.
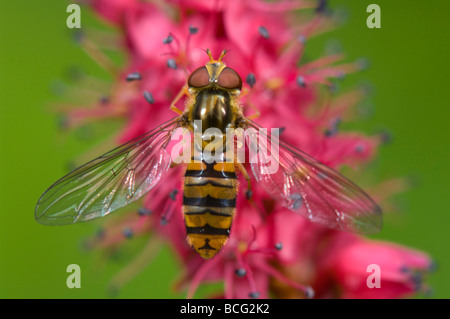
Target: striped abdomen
{"x": 209, "y": 203}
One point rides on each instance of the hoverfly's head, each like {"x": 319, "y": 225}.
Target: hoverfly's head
{"x": 215, "y": 74}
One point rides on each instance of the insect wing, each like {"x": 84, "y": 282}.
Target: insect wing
{"x": 310, "y": 188}
{"x": 108, "y": 182}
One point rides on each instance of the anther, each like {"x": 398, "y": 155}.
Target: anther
{"x": 263, "y": 31}
{"x": 333, "y": 87}
{"x": 302, "y": 39}
{"x": 164, "y": 221}
{"x": 386, "y": 137}
{"x": 433, "y": 266}
{"x": 363, "y": 63}
{"x": 334, "y": 127}
{"x": 279, "y": 246}
{"x": 168, "y": 40}
{"x": 248, "y": 194}
{"x": 135, "y": 76}
{"x": 250, "y": 79}
{"x": 100, "y": 233}
{"x": 309, "y": 293}
{"x": 301, "y": 81}
{"x": 78, "y": 36}
{"x": 172, "y": 64}
{"x": 416, "y": 279}
{"x": 254, "y": 294}
{"x": 104, "y": 100}
{"x": 127, "y": 233}
{"x": 144, "y": 211}
{"x": 322, "y": 6}
{"x": 193, "y": 30}
{"x": 359, "y": 148}
{"x": 148, "y": 97}
{"x": 169, "y": 208}
{"x": 173, "y": 194}
{"x": 240, "y": 272}
{"x": 405, "y": 269}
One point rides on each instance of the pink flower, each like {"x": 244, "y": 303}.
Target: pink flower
{"x": 113, "y": 10}
{"x": 401, "y": 269}
{"x": 271, "y": 251}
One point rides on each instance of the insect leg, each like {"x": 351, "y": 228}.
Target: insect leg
{"x": 255, "y": 109}
{"x": 184, "y": 91}
{"x": 244, "y": 92}
{"x": 249, "y": 193}
{"x": 244, "y": 172}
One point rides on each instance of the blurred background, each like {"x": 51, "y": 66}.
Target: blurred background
{"x": 408, "y": 75}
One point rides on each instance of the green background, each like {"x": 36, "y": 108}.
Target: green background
{"x": 409, "y": 74}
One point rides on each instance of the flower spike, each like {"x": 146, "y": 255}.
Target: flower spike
{"x": 271, "y": 250}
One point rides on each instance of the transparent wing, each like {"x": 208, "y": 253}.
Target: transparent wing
{"x": 311, "y": 188}
{"x": 110, "y": 181}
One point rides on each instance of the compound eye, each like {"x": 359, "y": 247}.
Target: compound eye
{"x": 229, "y": 79}
{"x": 199, "y": 78}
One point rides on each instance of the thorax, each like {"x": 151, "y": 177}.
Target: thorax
{"x": 214, "y": 109}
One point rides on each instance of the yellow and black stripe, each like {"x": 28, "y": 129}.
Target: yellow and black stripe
{"x": 209, "y": 204}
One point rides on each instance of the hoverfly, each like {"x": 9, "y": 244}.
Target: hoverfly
{"x": 124, "y": 174}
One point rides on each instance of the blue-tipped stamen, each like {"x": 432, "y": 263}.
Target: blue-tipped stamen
{"x": 173, "y": 194}
{"x": 193, "y": 30}
{"x": 148, "y": 97}
{"x": 240, "y": 272}
{"x": 301, "y": 81}
{"x": 334, "y": 127}
{"x": 144, "y": 211}
{"x": 302, "y": 39}
{"x": 250, "y": 79}
{"x": 168, "y": 40}
{"x": 254, "y": 294}
{"x": 127, "y": 233}
{"x": 309, "y": 293}
{"x": 359, "y": 148}
{"x": 172, "y": 64}
{"x": 264, "y": 32}
{"x": 135, "y": 76}
{"x": 322, "y": 6}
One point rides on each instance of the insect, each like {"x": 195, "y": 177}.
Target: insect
{"x": 124, "y": 174}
